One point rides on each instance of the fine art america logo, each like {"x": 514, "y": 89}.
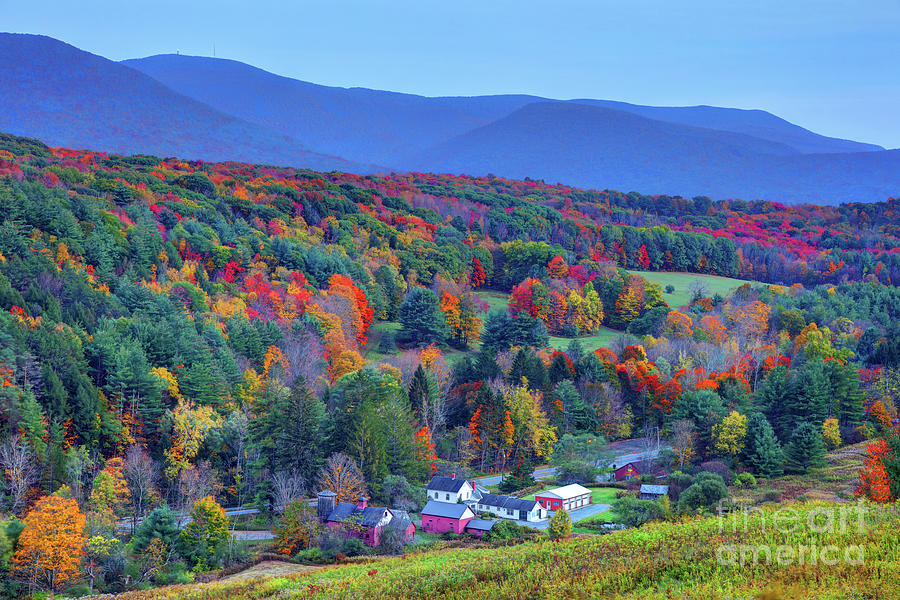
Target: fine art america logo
{"x": 826, "y": 523}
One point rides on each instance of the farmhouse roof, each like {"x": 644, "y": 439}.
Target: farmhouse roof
{"x": 449, "y": 510}
{"x": 446, "y": 484}
{"x": 508, "y": 502}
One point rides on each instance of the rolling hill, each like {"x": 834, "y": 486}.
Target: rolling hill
{"x": 594, "y": 146}
{"x": 67, "y": 97}
{"x": 217, "y": 109}
{"x": 357, "y": 122}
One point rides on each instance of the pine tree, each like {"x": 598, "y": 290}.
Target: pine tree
{"x": 422, "y": 320}
{"x": 811, "y": 393}
{"x": 763, "y": 452}
{"x": 847, "y": 393}
{"x": 421, "y": 389}
{"x": 770, "y": 397}
{"x": 806, "y": 449}
{"x": 299, "y": 439}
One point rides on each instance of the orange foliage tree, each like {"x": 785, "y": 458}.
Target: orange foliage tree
{"x": 678, "y": 325}
{"x": 51, "y": 546}
{"x": 477, "y": 275}
{"x": 713, "y": 327}
{"x": 874, "y": 482}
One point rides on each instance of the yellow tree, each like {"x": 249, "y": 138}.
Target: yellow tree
{"x": 190, "y": 426}
{"x": 730, "y": 434}
{"x": 831, "y": 433}
{"x": 532, "y": 431}
{"x": 51, "y": 546}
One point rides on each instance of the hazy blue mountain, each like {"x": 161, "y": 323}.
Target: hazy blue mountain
{"x": 358, "y": 124}
{"x": 757, "y": 123}
{"x": 385, "y": 127}
{"x": 217, "y": 109}
{"x": 593, "y": 146}
{"x": 67, "y": 97}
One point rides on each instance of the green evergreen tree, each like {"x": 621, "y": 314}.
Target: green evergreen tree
{"x": 763, "y": 451}
{"x": 159, "y": 524}
{"x": 298, "y": 431}
{"x": 770, "y": 396}
{"x": 421, "y": 319}
{"x": 806, "y": 449}
{"x": 847, "y": 393}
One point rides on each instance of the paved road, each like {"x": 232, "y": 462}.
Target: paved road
{"x": 254, "y": 535}
{"x": 579, "y": 514}
{"x": 540, "y": 473}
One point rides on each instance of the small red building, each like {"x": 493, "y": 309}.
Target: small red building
{"x": 441, "y": 517}
{"x": 626, "y": 471}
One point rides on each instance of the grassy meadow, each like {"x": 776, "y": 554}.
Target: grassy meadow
{"x": 681, "y": 281}
{"x": 662, "y": 560}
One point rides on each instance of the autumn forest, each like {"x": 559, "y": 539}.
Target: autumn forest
{"x": 182, "y": 337}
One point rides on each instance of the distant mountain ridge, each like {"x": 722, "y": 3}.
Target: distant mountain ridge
{"x": 67, "y": 97}
{"x": 410, "y": 121}
{"x": 217, "y": 109}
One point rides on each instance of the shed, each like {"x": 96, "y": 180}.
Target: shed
{"x": 652, "y": 492}
{"x": 626, "y": 471}
{"x": 479, "y": 527}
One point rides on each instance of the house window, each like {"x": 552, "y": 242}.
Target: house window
{"x": 448, "y": 496}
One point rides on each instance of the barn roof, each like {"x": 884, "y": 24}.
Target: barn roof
{"x": 449, "y": 510}
{"x": 369, "y": 516}
{"x": 658, "y": 490}
{"x": 480, "y": 524}
{"x": 565, "y": 492}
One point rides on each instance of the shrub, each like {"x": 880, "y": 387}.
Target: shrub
{"x": 745, "y": 480}
{"x": 670, "y": 289}
{"x": 678, "y": 482}
{"x": 311, "y": 555}
{"x": 707, "y": 490}
{"x": 772, "y": 496}
{"x": 633, "y": 512}
{"x": 506, "y": 531}
{"x": 560, "y": 525}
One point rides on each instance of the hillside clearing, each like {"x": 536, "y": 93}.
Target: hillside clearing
{"x": 682, "y": 281}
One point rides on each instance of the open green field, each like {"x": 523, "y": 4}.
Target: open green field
{"x": 692, "y": 558}
{"x": 495, "y": 300}
{"x": 714, "y": 284}
{"x": 601, "y": 339}
{"x": 500, "y": 301}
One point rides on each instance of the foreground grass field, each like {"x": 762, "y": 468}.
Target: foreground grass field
{"x": 682, "y": 281}
{"x": 688, "y": 559}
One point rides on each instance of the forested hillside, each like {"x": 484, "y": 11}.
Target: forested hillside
{"x": 174, "y": 330}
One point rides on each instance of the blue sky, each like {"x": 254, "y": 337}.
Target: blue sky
{"x": 831, "y": 66}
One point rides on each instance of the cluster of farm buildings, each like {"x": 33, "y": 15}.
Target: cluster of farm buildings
{"x": 453, "y": 506}
{"x": 459, "y": 506}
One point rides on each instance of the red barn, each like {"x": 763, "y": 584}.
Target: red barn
{"x": 626, "y": 471}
